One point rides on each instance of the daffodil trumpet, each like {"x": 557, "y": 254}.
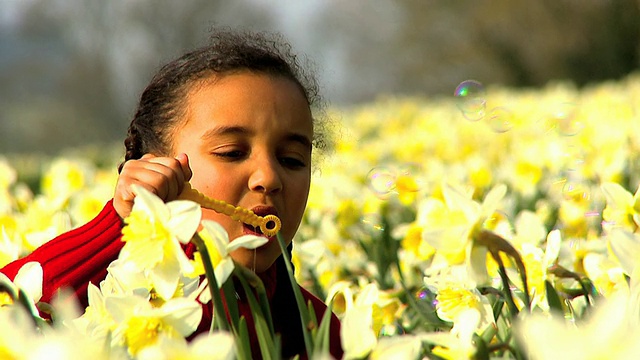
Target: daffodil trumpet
{"x": 269, "y": 224}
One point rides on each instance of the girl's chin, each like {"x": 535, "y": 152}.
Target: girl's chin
{"x": 260, "y": 265}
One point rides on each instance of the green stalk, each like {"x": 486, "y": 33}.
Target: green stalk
{"x": 218, "y": 307}
{"x": 304, "y": 315}
{"x": 264, "y": 331}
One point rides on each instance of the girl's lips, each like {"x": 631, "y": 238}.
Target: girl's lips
{"x": 260, "y": 210}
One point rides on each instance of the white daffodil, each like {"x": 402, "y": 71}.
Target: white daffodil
{"x": 622, "y": 209}
{"x": 216, "y": 239}
{"x": 96, "y": 320}
{"x": 397, "y": 347}
{"x": 214, "y": 346}
{"x": 449, "y": 225}
{"x": 456, "y": 293}
{"x": 458, "y": 343}
{"x": 28, "y": 279}
{"x": 153, "y": 235}
{"x": 140, "y": 324}
{"x": 605, "y": 334}
{"x": 18, "y": 336}
{"x": 341, "y": 297}
{"x": 625, "y": 246}
{"x": 356, "y": 333}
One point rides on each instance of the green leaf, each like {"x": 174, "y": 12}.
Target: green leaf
{"x": 553, "y": 299}
{"x": 482, "y": 352}
{"x": 263, "y": 331}
{"x": 243, "y": 344}
{"x": 321, "y": 340}
{"x": 304, "y": 314}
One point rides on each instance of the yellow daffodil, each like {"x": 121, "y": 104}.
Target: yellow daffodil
{"x": 139, "y": 324}
{"x": 219, "y": 247}
{"x": 153, "y": 234}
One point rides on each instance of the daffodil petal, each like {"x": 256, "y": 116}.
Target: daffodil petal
{"x": 367, "y": 296}
{"x": 626, "y": 247}
{"x": 554, "y": 243}
{"x": 185, "y": 218}
{"x": 247, "y": 241}
{"x": 29, "y": 279}
{"x": 493, "y": 198}
{"x": 150, "y": 203}
{"x": 122, "y": 307}
{"x": 616, "y": 195}
{"x": 223, "y": 270}
{"x": 165, "y": 277}
{"x": 182, "y": 314}
{"x": 356, "y": 333}
{"x": 217, "y": 235}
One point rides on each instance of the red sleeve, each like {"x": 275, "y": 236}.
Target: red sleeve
{"x": 74, "y": 258}
{"x": 335, "y": 346}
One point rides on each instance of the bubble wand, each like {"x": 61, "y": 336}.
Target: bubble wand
{"x": 269, "y": 224}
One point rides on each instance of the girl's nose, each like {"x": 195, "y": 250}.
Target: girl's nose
{"x": 265, "y": 177}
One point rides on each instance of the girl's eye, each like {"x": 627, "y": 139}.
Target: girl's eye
{"x": 292, "y": 163}
{"x": 231, "y": 155}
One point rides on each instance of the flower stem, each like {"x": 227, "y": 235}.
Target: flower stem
{"x": 304, "y": 314}
{"x": 218, "y": 307}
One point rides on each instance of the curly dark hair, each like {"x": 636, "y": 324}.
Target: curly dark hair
{"x": 228, "y": 51}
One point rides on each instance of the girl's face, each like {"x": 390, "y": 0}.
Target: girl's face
{"x": 248, "y": 138}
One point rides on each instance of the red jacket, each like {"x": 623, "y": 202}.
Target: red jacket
{"x": 82, "y": 255}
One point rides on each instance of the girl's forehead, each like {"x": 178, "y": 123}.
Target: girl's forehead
{"x": 247, "y": 100}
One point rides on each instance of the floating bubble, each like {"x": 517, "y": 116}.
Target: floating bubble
{"x": 576, "y": 190}
{"x": 381, "y": 180}
{"x": 426, "y": 295}
{"x": 470, "y": 98}
{"x": 500, "y": 119}
{"x": 573, "y": 158}
{"x": 373, "y": 222}
{"x": 563, "y": 119}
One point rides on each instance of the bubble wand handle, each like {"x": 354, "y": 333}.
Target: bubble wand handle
{"x": 269, "y": 225}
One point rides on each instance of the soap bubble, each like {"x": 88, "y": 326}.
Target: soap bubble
{"x": 470, "y": 98}
{"x": 563, "y": 119}
{"x": 500, "y": 119}
{"x": 576, "y": 190}
{"x": 373, "y": 222}
{"x": 381, "y": 180}
{"x": 574, "y": 158}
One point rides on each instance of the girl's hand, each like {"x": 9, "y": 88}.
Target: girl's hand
{"x": 163, "y": 176}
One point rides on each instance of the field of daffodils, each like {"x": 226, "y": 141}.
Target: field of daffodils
{"x": 495, "y": 223}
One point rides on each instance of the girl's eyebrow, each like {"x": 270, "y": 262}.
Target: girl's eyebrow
{"x": 241, "y": 130}
{"x": 299, "y": 138}
{"x": 225, "y": 130}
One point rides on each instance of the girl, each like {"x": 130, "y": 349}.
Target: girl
{"x": 234, "y": 119}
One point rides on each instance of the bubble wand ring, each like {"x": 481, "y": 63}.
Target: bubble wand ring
{"x": 269, "y": 224}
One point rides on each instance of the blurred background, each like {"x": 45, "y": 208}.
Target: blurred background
{"x": 72, "y": 70}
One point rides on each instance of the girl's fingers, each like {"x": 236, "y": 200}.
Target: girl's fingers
{"x": 163, "y": 176}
